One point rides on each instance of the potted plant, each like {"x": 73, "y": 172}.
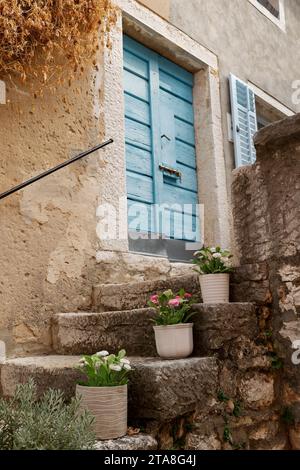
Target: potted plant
{"x": 104, "y": 392}
{"x": 214, "y": 267}
{"x": 173, "y": 332}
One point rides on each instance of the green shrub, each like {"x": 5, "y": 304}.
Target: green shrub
{"x": 48, "y": 423}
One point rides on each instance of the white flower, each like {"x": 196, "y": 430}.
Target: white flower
{"x": 83, "y": 362}
{"x": 124, "y": 361}
{"x": 217, "y": 255}
{"x": 127, "y": 366}
{"x": 102, "y": 353}
{"x": 213, "y": 249}
{"x": 115, "y": 367}
{"x": 226, "y": 262}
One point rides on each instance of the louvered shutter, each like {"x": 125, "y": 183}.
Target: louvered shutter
{"x": 243, "y": 120}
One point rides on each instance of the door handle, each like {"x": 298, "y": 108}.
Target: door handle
{"x": 171, "y": 172}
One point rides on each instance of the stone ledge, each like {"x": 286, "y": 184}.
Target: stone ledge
{"x": 279, "y": 133}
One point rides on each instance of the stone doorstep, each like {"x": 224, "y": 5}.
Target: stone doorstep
{"x": 159, "y": 389}
{"x": 107, "y": 297}
{"x": 78, "y": 333}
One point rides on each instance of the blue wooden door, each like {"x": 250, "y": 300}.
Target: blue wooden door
{"x": 160, "y": 145}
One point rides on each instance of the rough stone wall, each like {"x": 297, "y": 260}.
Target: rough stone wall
{"x": 266, "y": 209}
{"x": 238, "y": 407}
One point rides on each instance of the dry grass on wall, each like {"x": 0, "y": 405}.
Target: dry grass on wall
{"x": 38, "y": 37}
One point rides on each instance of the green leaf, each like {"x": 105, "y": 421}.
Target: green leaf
{"x": 122, "y": 354}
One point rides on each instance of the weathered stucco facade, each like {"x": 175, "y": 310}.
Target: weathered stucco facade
{"x": 48, "y": 233}
{"x": 247, "y": 44}
{"x": 51, "y": 255}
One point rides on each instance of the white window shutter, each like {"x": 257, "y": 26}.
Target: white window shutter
{"x": 244, "y": 121}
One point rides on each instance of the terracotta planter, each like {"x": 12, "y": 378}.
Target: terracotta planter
{"x": 108, "y": 405}
{"x": 215, "y": 288}
{"x": 174, "y": 341}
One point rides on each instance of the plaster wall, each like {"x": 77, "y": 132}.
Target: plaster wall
{"x": 247, "y": 44}
{"x": 48, "y": 235}
{"x": 162, "y": 7}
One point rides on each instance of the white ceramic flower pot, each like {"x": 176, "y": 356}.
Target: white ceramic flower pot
{"x": 174, "y": 341}
{"x": 108, "y": 405}
{"x": 215, "y": 288}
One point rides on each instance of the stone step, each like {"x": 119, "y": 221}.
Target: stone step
{"x": 87, "y": 333}
{"x": 214, "y": 325}
{"x": 158, "y": 389}
{"x": 108, "y": 297}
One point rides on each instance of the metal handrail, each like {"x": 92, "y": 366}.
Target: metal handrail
{"x": 55, "y": 168}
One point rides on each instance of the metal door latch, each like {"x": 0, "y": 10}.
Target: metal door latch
{"x": 172, "y": 172}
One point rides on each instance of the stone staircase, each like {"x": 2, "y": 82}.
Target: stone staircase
{"x": 159, "y": 390}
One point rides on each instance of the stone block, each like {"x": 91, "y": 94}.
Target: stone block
{"x": 217, "y": 324}
{"x": 257, "y": 292}
{"x": 257, "y": 390}
{"x": 162, "y": 389}
{"x": 109, "y": 297}
{"x": 250, "y": 272}
{"x": 294, "y": 436}
{"x": 137, "y": 442}
{"x": 203, "y": 442}
{"x": 87, "y": 333}
{"x": 47, "y": 371}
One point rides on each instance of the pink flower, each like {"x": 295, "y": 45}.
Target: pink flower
{"x": 174, "y": 302}
{"x": 187, "y": 295}
{"x": 154, "y": 299}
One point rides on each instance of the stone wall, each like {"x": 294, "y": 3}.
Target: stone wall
{"x": 266, "y": 210}
{"x": 236, "y": 386}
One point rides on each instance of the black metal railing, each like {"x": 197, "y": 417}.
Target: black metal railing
{"x": 55, "y": 168}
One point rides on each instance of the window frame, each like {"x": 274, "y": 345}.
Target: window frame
{"x": 265, "y": 105}
{"x": 280, "y": 22}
